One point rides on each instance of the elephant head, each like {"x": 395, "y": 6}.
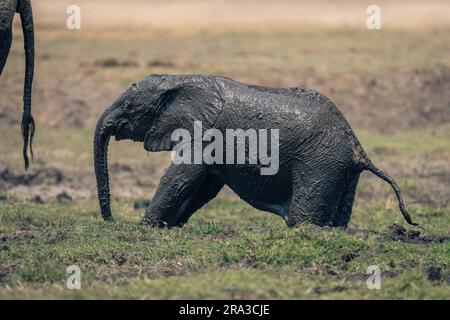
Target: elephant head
{"x": 149, "y": 111}
{"x": 7, "y": 10}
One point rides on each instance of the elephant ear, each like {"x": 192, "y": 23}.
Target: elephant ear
{"x": 177, "y": 108}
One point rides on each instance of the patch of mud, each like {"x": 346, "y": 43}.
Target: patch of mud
{"x": 127, "y": 265}
{"x": 229, "y": 233}
{"x": 40, "y": 186}
{"x": 45, "y": 56}
{"x": 38, "y": 199}
{"x": 399, "y": 233}
{"x": 391, "y": 273}
{"x": 348, "y": 255}
{"x": 324, "y": 269}
{"x": 64, "y": 197}
{"x": 365, "y": 232}
{"x": 134, "y": 238}
{"x": 119, "y": 167}
{"x": 48, "y": 175}
{"x": 55, "y": 236}
{"x": 111, "y": 63}
{"x": 47, "y": 184}
{"x": 329, "y": 270}
{"x": 259, "y": 230}
{"x": 161, "y": 63}
{"x": 3, "y": 274}
{"x": 19, "y": 235}
{"x": 434, "y": 273}
{"x": 122, "y": 257}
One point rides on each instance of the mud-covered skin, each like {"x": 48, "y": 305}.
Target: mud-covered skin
{"x": 7, "y": 10}
{"x": 320, "y": 158}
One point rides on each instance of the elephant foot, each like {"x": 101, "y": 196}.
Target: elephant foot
{"x": 294, "y": 222}
{"x": 314, "y": 218}
{"x": 153, "y": 221}
{"x": 161, "y": 219}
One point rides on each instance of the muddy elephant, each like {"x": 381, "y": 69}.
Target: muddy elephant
{"x": 319, "y": 163}
{"x": 8, "y": 8}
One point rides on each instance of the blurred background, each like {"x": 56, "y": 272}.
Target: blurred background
{"x": 393, "y": 84}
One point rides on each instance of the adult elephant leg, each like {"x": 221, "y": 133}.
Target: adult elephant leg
{"x": 316, "y": 196}
{"x": 5, "y": 45}
{"x": 206, "y": 192}
{"x": 177, "y": 188}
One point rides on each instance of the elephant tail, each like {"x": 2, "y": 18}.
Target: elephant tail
{"x": 28, "y": 124}
{"x": 368, "y": 165}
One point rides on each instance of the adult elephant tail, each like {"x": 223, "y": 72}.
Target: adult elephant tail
{"x": 28, "y": 124}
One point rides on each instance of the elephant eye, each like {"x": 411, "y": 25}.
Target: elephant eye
{"x": 127, "y": 104}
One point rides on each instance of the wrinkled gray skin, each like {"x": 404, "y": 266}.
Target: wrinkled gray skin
{"x": 320, "y": 157}
{"x": 7, "y": 10}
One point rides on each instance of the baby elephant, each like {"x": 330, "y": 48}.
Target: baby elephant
{"x": 316, "y": 157}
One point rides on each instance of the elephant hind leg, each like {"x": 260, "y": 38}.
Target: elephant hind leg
{"x": 325, "y": 201}
{"x": 317, "y": 196}
{"x": 345, "y": 208}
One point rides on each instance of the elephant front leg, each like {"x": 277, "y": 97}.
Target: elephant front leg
{"x": 177, "y": 189}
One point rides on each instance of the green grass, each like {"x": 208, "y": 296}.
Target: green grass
{"x": 228, "y": 250}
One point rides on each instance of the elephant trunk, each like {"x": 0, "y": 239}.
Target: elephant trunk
{"x": 101, "y": 140}
{"x": 28, "y": 125}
